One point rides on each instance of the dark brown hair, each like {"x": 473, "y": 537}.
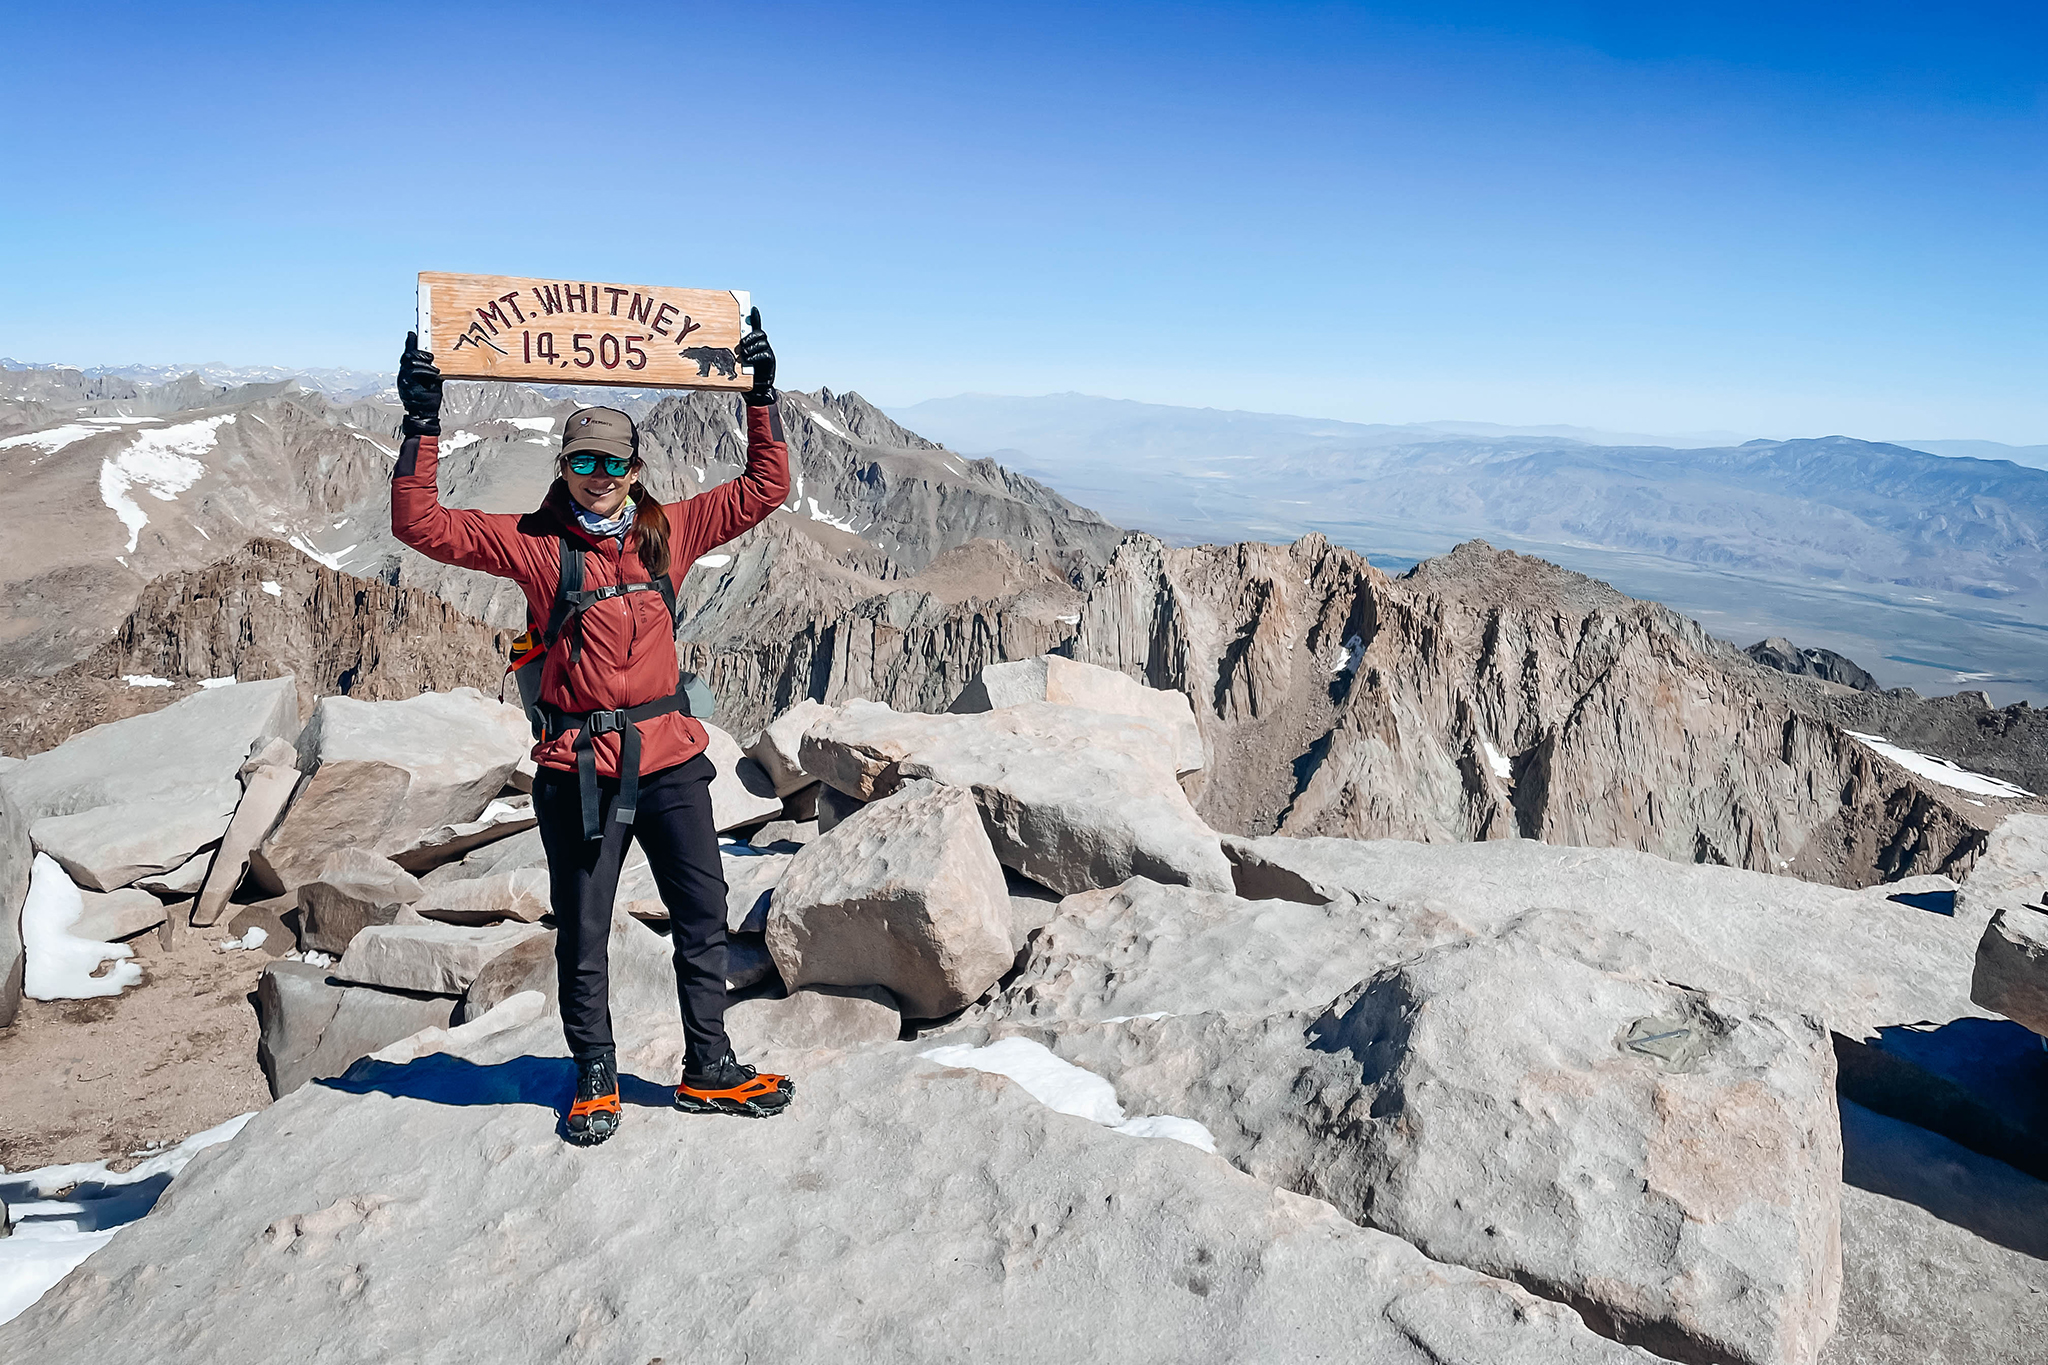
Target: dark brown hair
{"x": 650, "y": 524}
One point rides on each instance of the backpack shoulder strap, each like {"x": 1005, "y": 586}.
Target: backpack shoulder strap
{"x": 666, "y": 586}
{"x": 566, "y": 586}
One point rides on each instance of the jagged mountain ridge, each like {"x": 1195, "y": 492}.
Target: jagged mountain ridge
{"x": 1484, "y": 696}
{"x": 116, "y": 485}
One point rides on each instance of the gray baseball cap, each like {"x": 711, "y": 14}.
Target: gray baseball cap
{"x": 605, "y": 431}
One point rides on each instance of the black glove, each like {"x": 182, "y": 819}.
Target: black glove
{"x": 419, "y": 389}
{"x": 754, "y": 351}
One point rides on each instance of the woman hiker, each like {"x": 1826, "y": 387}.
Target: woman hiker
{"x": 599, "y": 562}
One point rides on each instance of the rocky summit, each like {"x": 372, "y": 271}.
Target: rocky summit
{"x": 1213, "y": 953}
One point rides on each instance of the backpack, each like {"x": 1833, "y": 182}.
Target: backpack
{"x": 529, "y": 651}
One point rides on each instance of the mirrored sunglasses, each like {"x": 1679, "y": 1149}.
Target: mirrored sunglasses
{"x": 586, "y": 462}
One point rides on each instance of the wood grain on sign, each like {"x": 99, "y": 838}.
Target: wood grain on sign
{"x": 580, "y": 332}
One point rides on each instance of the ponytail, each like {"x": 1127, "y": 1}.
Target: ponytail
{"x": 650, "y": 524}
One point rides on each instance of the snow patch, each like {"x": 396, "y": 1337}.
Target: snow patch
{"x": 459, "y": 440}
{"x": 55, "y": 439}
{"x": 59, "y": 966}
{"x": 1068, "y": 1088}
{"x": 273, "y": 589}
{"x": 379, "y": 444}
{"x": 218, "y": 682}
{"x": 163, "y": 462}
{"x": 1073, "y": 620}
{"x": 63, "y": 1214}
{"x": 1498, "y": 761}
{"x": 247, "y": 943}
{"x": 542, "y": 424}
{"x": 305, "y": 547}
{"x": 1354, "y": 650}
{"x": 713, "y": 561}
{"x": 144, "y": 680}
{"x": 1940, "y": 770}
{"x": 821, "y": 420}
{"x": 819, "y": 514}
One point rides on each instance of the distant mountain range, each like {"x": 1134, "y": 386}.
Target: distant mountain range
{"x": 1930, "y": 569}
{"x": 335, "y": 383}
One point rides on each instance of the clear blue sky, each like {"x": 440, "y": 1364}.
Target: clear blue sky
{"x": 1780, "y": 219}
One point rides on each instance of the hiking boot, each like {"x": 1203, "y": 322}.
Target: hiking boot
{"x": 595, "y": 1114}
{"x": 730, "y": 1087}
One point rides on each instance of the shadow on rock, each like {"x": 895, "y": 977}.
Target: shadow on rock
{"x": 1890, "y": 1157}
{"x": 544, "y": 1082}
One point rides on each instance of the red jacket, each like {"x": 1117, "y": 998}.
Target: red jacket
{"x": 629, "y": 645}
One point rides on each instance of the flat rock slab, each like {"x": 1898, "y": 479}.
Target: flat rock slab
{"x": 387, "y": 773}
{"x": 2013, "y": 868}
{"x": 440, "y": 959}
{"x": 313, "y": 1027}
{"x": 111, "y": 916}
{"x": 500, "y": 820}
{"x": 1664, "y": 1160}
{"x": 750, "y": 882}
{"x": 815, "y": 1017}
{"x": 906, "y": 895}
{"x": 109, "y": 847}
{"x": 267, "y": 790}
{"x": 1072, "y": 798}
{"x": 1068, "y": 682}
{"x": 182, "y": 881}
{"x": 920, "y": 1215}
{"x": 779, "y": 747}
{"x": 742, "y": 793}
{"x": 351, "y": 891}
{"x": 521, "y": 894}
{"x": 2011, "y": 973}
{"x": 1857, "y": 959}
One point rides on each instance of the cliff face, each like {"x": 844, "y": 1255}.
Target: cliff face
{"x": 1484, "y": 696}
{"x": 263, "y": 611}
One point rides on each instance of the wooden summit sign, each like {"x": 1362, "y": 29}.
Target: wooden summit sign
{"x": 577, "y": 332}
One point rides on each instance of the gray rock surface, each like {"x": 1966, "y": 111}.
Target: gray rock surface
{"x": 501, "y": 819}
{"x": 528, "y": 965}
{"x": 1041, "y": 1235}
{"x": 747, "y": 961}
{"x": 814, "y": 1017}
{"x": 348, "y": 892}
{"x": 384, "y": 774}
{"x": 1944, "y": 1252}
{"x": 1665, "y": 1160}
{"x": 111, "y": 916}
{"x": 313, "y": 1027}
{"x": 749, "y": 885}
{"x": 437, "y": 959}
{"x": 109, "y": 847}
{"x": 779, "y": 746}
{"x": 2011, "y": 976}
{"x": 182, "y": 881}
{"x": 834, "y": 806}
{"x": 520, "y": 894}
{"x": 2013, "y": 869}
{"x": 741, "y": 793}
{"x": 1068, "y": 682}
{"x": 189, "y": 751}
{"x": 1071, "y": 798}
{"x": 907, "y": 895}
{"x": 295, "y": 1002}
{"x": 267, "y": 790}
{"x": 1719, "y": 929}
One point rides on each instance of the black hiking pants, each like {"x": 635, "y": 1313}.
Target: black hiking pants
{"x": 674, "y": 825}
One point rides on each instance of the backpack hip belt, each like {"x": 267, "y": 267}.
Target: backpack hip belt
{"x": 528, "y": 654}
{"x": 625, "y": 722}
